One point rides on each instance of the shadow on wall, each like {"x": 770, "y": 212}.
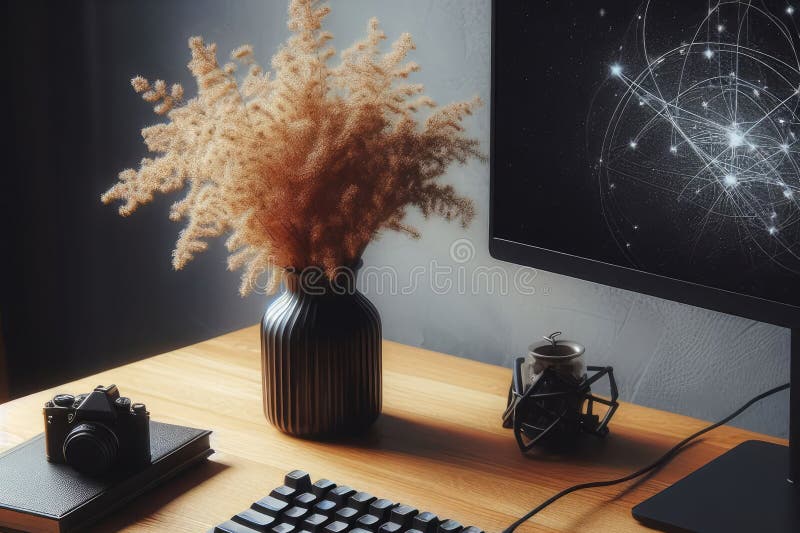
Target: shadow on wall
{"x": 3, "y": 371}
{"x": 82, "y": 288}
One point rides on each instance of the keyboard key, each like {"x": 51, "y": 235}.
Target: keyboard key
{"x": 347, "y": 515}
{"x": 325, "y": 507}
{"x": 315, "y": 522}
{"x": 368, "y": 522}
{"x": 255, "y": 520}
{"x": 306, "y": 500}
{"x": 360, "y": 501}
{"x": 450, "y": 526}
{"x": 271, "y": 506}
{"x": 299, "y": 506}
{"x": 298, "y": 480}
{"x": 232, "y": 527}
{"x": 381, "y": 508}
{"x": 336, "y": 527}
{"x": 340, "y": 495}
{"x": 321, "y": 487}
{"x": 425, "y": 522}
{"x": 403, "y": 514}
{"x": 295, "y": 515}
{"x": 284, "y": 493}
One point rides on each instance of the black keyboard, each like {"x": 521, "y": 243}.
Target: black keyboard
{"x": 298, "y": 506}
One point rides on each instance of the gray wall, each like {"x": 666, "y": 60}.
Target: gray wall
{"x": 666, "y": 355}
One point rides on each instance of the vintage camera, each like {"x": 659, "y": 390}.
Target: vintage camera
{"x": 98, "y": 431}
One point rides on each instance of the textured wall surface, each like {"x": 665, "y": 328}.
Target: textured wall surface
{"x": 666, "y": 355}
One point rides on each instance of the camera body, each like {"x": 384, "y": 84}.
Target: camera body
{"x": 97, "y": 432}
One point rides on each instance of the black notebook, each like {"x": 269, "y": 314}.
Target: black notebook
{"x": 36, "y": 495}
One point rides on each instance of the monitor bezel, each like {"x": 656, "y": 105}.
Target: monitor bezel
{"x": 618, "y": 276}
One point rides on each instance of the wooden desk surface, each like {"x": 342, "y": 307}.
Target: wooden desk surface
{"x": 438, "y": 446}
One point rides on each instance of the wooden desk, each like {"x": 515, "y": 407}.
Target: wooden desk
{"x": 439, "y": 445}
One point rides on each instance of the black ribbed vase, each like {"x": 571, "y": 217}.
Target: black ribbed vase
{"x": 321, "y": 356}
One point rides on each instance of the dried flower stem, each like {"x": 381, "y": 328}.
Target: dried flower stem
{"x": 304, "y": 168}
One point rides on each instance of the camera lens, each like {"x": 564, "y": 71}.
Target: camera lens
{"x": 90, "y": 448}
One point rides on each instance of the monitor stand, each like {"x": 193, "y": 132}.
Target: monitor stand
{"x": 746, "y": 489}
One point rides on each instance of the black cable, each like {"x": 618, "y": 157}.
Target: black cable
{"x": 658, "y": 462}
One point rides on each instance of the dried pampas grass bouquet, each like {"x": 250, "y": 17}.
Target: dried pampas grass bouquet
{"x": 302, "y": 166}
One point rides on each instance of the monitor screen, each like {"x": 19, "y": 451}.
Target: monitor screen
{"x": 662, "y": 136}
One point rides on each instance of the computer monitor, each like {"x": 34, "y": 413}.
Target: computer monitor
{"x": 652, "y": 146}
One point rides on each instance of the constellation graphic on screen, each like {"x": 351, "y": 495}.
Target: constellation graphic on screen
{"x": 711, "y": 121}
